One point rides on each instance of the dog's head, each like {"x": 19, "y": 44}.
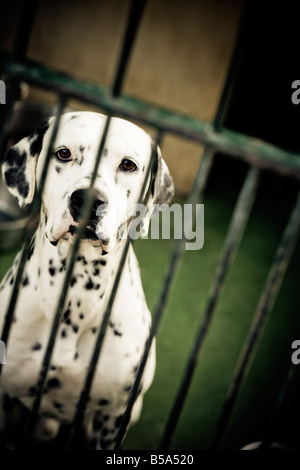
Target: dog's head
{"x": 118, "y": 183}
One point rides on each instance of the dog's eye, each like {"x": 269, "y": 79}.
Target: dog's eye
{"x": 127, "y": 165}
{"x": 64, "y": 155}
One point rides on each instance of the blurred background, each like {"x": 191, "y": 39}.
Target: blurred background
{"x": 180, "y": 61}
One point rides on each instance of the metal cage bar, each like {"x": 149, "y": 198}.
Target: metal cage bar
{"x": 30, "y": 231}
{"x": 61, "y": 302}
{"x": 99, "y": 342}
{"x": 235, "y": 232}
{"x": 264, "y": 306}
{"x": 254, "y": 151}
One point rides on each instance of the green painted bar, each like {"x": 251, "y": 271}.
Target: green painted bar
{"x": 254, "y": 151}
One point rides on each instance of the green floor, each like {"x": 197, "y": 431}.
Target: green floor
{"x": 228, "y": 330}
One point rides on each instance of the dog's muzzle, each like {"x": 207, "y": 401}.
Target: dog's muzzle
{"x": 76, "y": 203}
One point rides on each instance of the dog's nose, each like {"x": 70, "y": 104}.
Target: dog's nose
{"x": 77, "y": 200}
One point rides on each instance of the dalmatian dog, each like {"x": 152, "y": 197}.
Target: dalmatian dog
{"x": 117, "y": 186}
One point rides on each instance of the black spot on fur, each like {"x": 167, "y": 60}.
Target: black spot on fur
{"x": 37, "y": 138}
{"x": 15, "y": 158}
{"x": 82, "y": 259}
{"x": 54, "y": 383}
{"x": 15, "y": 175}
{"x": 103, "y": 402}
{"x": 52, "y": 271}
{"x": 58, "y": 169}
{"x": 58, "y": 406}
{"x": 67, "y": 314}
{"x": 26, "y": 281}
{"x": 72, "y": 229}
{"x": 113, "y": 327}
{"x": 36, "y": 347}
{"x": 89, "y": 285}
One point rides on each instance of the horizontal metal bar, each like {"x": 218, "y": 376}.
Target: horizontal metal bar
{"x": 254, "y": 151}
{"x": 264, "y": 306}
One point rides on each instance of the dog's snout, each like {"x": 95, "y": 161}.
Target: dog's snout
{"x": 77, "y": 200}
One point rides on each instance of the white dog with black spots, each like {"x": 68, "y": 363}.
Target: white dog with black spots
{"x": 117, "y": 186}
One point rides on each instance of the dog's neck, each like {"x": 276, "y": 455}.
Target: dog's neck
{"x": 88, "y": 255}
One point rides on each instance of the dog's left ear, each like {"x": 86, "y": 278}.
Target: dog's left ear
{"x": 160, "y": 192}
{"x": 19, "y": 167}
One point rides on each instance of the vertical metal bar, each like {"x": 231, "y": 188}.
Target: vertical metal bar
{"x": 234, "y": 236}
{"x": 99, "y": 342}
{"x": 135, "y": 15}
{"x": 134, "y": 19}
{"x": 265, "y": 304}
{"x": 6, "y": 113}
{"x": 199, "y": 186}
{"x": 20, "y": 46}
{"x": 279, "y": 406}
{"x": 234, "y": 67}
{"x": 30, "y": 231}
{"x": 197, "y": 191}
{"x": 56, "y": 320}
{"x": 23, "y": 33}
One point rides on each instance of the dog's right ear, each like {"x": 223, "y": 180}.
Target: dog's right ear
{"x": 19, "y": 167}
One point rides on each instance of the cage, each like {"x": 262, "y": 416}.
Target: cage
{"x": 225, "y": 316}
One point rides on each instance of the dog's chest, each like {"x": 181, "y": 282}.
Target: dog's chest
{"x": 78, "y": 329}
